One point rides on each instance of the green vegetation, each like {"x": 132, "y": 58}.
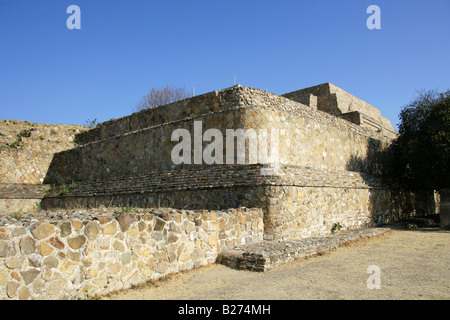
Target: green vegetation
{"x": 336, "y": 227}
{"x": 17, "y": 143}
{"x": 125, "y": 209}
{"x": 18, "y": 215}
{"x": 61, "y": 189}
{"x": 422, "y": 150}
{"x": 91, "y": 123}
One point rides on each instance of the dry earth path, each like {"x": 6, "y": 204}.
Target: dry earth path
{"x": 413, "y": 264}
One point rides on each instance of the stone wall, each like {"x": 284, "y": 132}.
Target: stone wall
{"x": 180, "y": 110}
{"x": 329, "y": 172}
{"x": 80, "y": 254}
{"x": 296, "y": 212}
{"x": 21, "y": 197}
{"x": 28, "y": 161}
{"x": 320, "y": 154}
{"x": 311, "y": 138}
{"x": 296, "y": 201}
{"x": 26, "y": 150}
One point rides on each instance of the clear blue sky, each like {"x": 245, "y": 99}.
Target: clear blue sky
{"x": 50, "y": 74}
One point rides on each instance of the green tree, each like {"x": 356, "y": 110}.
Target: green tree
{"x": 422, "y": 149}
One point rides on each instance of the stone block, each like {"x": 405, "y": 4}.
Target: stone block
{"x": 43, "y": 230}
{"x": 91, "y": 230}
{"x": 125, "y": 220}
{"x": 110, "y": 228}
{"x": 76, "y": 242}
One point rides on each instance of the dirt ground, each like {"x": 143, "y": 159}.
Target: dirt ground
{"x": 413, "y": 264}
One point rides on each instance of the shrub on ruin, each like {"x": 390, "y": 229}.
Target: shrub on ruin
{"x": 162, "y": 96}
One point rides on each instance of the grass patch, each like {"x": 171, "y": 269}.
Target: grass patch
{"x": 126, "y": 209}
{"x": 60, "y": 189}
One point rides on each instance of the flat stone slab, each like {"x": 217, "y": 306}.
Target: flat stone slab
{"x": 266, "y": 255}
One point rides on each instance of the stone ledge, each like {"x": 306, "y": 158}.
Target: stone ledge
{"x": 22, "y": 190}
{"x": 267, "y": 255}
{"x": 220, "y": 176}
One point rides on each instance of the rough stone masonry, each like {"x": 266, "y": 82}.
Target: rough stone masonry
{"x": 329, "y": 173}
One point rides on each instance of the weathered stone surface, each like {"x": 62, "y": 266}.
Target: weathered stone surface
{"x": 51, "y": 262}
{"x": 4, "y": 248}
{"x": 104, "y": 220}
{"x": 185, "y": 257}
{"x": 263, "y": 256}
{"x": 142, "y": 225}
{"x": 43, "y": 230}
{"x": 172, "y": 238}
{"x": 78, "y": 278}
{"x": 45, "y": 249}
{"x": 11, "y": 288}
{"x": 66, "y": 229}
{"x": 113, "y": 268}
{"x": 159, "y": 224}
{"x": 110, "y": 228}
{"x": 126, "y": 258}
{"x": 133, "y": 232}
{"x": 110, "y": 261}
{"x": 4, "y": 233}
{"x": 4, "y": 276}
{"x": 68, "y": 267}
{"x": 147, "y": 272}
{"x": 18, "y": 231}
{"x": 146, "y": 252}
{"x": 55, "y": 288}
{"x": 77, "y": 225}
{"x": 161, "y": 267}
{"x": 119, "y": 246}
{"x": 27, "y": 245}
{"x": 190, "y": 227}
{"x": 74, "y": 255}
{"x": 56, "y": 242}
{"x": 76, "y": 242}
{"x": 91, "y": 230}
{"x": 91, "y": 273}
{"x": 328, "y": 183}
{"x": 104, "y": 243}
{"x": 125, "y": 220}
{"x": 15, "y": 262}
{"x": 29, "y": 275}
{"x": 34, "y": 260}
{"x": 24, "y": 293}
{"x": 47, "y": 274}
{"x": 16, "y": 276}
{"x": 212, "y": 240}
{"x": 27, "y": 165}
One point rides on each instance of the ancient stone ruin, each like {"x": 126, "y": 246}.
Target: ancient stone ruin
{"x": 26, "y": 150}
{"x": 179, "y": 208}
{"x": 329, "y": 141}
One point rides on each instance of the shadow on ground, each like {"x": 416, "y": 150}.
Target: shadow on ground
{"x": 428, "y": 223}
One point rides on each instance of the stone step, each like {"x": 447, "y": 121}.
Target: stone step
{"x": 266, "y": 255}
